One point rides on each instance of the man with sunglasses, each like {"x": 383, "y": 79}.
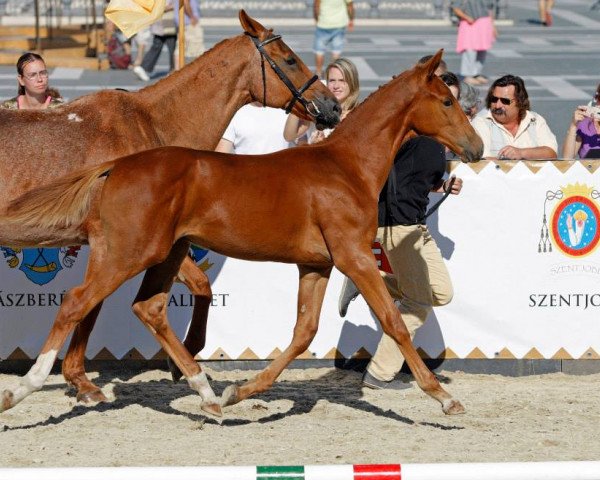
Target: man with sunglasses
{"x": 509, "y": 130}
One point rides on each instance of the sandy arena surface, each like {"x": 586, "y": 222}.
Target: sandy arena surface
{"x": 312, "y": 416}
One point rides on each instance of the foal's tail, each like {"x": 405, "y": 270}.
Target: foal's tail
{"x": 60, "y": 203}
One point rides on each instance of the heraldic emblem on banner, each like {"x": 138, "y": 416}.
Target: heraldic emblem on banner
{"x": 573, "y": 224}
{"x": 40, "y": 265}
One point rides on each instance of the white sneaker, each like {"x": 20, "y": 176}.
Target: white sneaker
{"x": 141, "y": 73}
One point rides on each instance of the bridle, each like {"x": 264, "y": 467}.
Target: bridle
{"x": 310, "y": 106}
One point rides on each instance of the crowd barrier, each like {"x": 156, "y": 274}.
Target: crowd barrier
{"x": 447, "y": 471}
{"x": 521, "y": 244}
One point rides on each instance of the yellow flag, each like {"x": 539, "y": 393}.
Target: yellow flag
{"x": 133, "y": 15}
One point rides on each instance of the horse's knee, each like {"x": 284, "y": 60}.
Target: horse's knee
{"x": 152, "y": 312}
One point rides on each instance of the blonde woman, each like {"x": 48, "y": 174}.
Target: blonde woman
{"x": 342, "y": 81}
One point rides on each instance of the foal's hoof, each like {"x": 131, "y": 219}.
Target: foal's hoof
{"x": 174, "y": 369}
{"x": 230, "y": 396}
{"x": 453, "y": 407}
{"x": 7, "y": 400}
{"x": 91, "y": 396}
{"x": 213, "y": 409}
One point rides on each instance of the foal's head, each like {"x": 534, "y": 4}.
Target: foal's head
{"x": 287, "y": 81}
{"x": 434, "y": 111}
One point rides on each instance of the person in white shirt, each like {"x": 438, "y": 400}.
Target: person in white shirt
{"x": 254, "y": 130}
{"x": 508, "y": 129}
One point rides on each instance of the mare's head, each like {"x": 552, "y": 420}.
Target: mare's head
{"x": 433, "y": 111}
{"x": 278, "y": 73}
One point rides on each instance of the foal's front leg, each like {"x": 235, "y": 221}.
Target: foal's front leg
{"x": 362, "y": 269}
{"x": 311, "y": 291}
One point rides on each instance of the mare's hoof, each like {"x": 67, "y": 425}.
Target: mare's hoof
{"x": 92, "y": 396}
{"x": 453, "y": 407}
{"x": 213, "y": 409}
{"x": 230, "y": 396}
{"x": 174, "y": 369}
{"x": 7, "y": 400}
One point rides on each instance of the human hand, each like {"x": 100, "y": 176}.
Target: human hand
{"x": 579, "y": 114}
{"x": 510, "y": 153}
{"x": 194, "y": 21}
{"x": 351, "y": 26}
{"x": 454, "y": 184}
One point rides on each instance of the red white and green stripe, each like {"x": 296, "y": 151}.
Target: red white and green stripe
{"x": 415, "y": 471}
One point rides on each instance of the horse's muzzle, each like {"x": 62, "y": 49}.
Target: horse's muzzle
{"x": 326, "y": 112}
{"x": 472, "y": 150}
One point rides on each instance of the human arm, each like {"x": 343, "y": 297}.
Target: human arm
{"x": 572, "y": 141}
{"x": 316, "y": 9}
{"x": 350, "y": 9}
{"x": 533, "y": 153}
{"x": 462, "y": 15}
{"x": 224, "y": 146}
{"x": 294, "y": 128}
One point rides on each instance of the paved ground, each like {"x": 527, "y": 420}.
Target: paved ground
{"x": 559, "y": 63}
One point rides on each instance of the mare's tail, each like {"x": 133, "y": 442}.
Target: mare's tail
{"x": 60, "y": 203}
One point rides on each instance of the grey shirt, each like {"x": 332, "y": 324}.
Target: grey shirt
{"x": 474, "y": 8}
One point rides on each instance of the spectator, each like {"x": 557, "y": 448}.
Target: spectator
{"x": 164, "y": 32}
{"x": 332, "y": 17}
{"x": 142, "y": 41}
{"x": 33, "y": 91}
{"x": 476, "y": 34}
{"x": 583, "y": 135}
{"x": 254, "y": 130}
{"x": 469, "y": 100}
{"x": 509, "y": 130}
{"x": 118, "y": 48}
{"x": 342, "y": 80}
{"x": 420, "y": 279}
{"x": 545, "y": 7}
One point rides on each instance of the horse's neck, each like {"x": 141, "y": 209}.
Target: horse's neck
{"x": 374, "y": 134}
{"x": 193, "y": 106}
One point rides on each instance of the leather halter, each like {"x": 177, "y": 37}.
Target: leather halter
{"x": 310, "y": 106}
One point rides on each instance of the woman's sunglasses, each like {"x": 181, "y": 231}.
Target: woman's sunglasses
{"x": 505, "y": 101}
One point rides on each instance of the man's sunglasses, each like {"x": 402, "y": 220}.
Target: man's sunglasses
{"x": 505, "y": 101}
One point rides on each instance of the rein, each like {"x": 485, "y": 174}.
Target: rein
{"x": 310, "y": 107}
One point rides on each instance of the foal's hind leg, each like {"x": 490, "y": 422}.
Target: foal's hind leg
{"x": 311, "y": 291}
{"x": 73, "y": 368}
{"x": 100, "y": 281}
{"x": 362, "y": 269}
{"x": 150, "y": 305}
{"x": 197, "y": 281}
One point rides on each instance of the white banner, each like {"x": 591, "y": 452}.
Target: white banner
{"x": 520, "y": 243}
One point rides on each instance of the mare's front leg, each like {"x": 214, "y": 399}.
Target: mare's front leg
{"x": 197, "y": 281}
{"x": 361, "y": 267}
{"x": 150, "y": 306}
{"x": 313, "y": 282}
{"x": 73, "y": 367}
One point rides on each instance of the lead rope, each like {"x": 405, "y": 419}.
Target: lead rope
{"x": 441, "y": 200}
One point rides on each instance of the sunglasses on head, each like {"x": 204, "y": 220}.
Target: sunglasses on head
{"x": 505, "y": 101}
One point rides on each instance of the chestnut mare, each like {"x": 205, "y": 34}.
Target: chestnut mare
{"x": 315, "y": 206}
{"x": 189, "y": 108}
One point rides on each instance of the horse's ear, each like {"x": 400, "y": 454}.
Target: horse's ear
{"x": 251, "y": 26}
{"x": 432, "y": 64}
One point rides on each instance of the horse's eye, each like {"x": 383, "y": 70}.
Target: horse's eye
{"x": 290, "y": 61}
{"x": 447, "y": 102}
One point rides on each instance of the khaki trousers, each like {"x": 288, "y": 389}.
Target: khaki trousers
{"x": 420, "y": 281}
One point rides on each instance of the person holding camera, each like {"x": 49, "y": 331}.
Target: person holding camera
{"x": 583, "y": 134}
